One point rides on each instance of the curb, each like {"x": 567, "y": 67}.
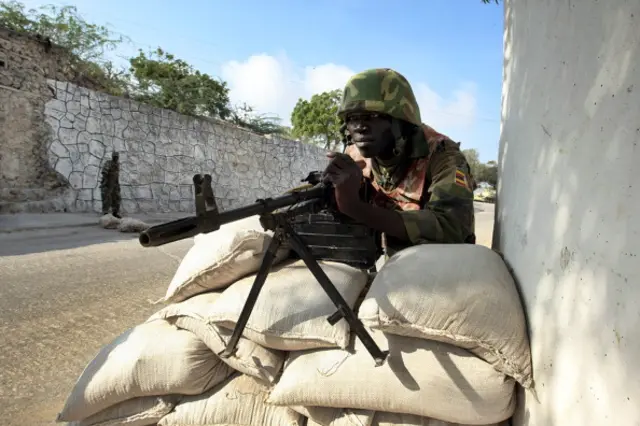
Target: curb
{"x": 40, "y": 228}
{"x": 76, "y": 225}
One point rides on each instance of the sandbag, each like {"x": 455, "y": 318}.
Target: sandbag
{"x": 249, "y": 358}
{"x": 109, "y": 221}
{"x": 390, "y": 419}
{"x": 221, "y": 257}
{"x": 327, "y": 416}
{"x": 153, "y": 358}
{"x": 395, "y": 419}
{"x": 420, "y": 377}
{"x": 460, "y": 294}
{"x": 143, "y": 411}
{"x": 130, "y": 224}
{"x": 291, "y": 311}
{"x": 239, "y": 401}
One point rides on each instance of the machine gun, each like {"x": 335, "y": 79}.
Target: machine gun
{"x": 308, "y": 221}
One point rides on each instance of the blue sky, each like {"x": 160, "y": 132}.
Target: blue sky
{"x": 273, "y": 52}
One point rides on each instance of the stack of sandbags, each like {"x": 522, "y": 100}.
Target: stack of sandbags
{"x": 291, "y": 366}
{"x": 139, "y": 377}
{"x": 451, "y": 317}
{"x": 330, "y": 378}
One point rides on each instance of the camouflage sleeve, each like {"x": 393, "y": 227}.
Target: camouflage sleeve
{"x": 448, "y": 217}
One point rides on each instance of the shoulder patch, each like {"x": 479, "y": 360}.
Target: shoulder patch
{"x": 461, "y": 178}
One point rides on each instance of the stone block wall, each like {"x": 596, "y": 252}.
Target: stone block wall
{"x": 25, "y": 63}
{"x": 160, "y": 151}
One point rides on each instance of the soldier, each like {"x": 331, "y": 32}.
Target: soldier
{"x": 421, "y": 181}
{"x": 110, "y": 186}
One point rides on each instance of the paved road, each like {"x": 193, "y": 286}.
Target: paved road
{"x": 484, "y": 223}
{"x": 63, "y": 294}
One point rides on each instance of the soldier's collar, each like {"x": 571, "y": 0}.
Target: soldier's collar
{"x": 419, "y": 145}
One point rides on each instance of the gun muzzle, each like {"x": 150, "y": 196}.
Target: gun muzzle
{"x": 169, "y": 232}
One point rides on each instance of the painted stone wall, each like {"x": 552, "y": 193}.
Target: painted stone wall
{"x": 160, "y": 151}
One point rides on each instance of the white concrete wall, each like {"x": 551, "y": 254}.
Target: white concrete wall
{"x": 568, "y": 214}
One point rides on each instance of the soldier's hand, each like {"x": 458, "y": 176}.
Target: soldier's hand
{"x": 346, "y": 176}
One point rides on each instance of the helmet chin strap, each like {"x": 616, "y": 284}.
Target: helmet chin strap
{"x": 400, "y": 141}
{"x": 345, "y": 137}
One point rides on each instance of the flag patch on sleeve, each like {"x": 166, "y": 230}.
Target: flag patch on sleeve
{"x": 461, "y": 178}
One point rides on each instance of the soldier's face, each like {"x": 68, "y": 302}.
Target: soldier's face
{"x": 371, "y": 134}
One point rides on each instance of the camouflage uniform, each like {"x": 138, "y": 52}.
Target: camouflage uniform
{"x": 429, "y": 182}
{"x": 110, "y": 186}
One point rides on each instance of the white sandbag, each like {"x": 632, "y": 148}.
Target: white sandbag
{"x": 328, "y": 416}
{"x": 249, "y": 358}
{"x": 421, "y": 377}
{"x": 239, "y": 401}
{"x": 291, "y": 311}
{"x": 153, "y": 358}
{"x": 325, "y": 416}
{"x": 130, "y": 224}
{"x": 370, "y": 418}
{"x": 109, "y": 221}
{"x": 221, "y": 257}
{"x": 460, "y": 294}
{"x": 143, "y": 411}
{"x": 395, "y": 419}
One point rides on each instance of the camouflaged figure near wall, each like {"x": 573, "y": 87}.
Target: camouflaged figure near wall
{"x": 110, "y": 186}
{"x": 429, "y": 181}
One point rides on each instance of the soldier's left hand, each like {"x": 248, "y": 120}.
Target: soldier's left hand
{"x": 346, "y": 176}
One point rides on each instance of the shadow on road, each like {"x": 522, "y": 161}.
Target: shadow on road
{"x": 39, "y": 241}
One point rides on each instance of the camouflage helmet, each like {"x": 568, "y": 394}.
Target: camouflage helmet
{"x": 381, "y": 90}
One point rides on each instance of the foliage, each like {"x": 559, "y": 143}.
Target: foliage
{"x": 157, "y": 78}
{"x": 316, "y": 120}
{"x": 481, "y": 172}
{"x": 473, "y": 158}
{"x": 488, "y": 173}
{"x": 164, "y": 81}
{"x": 245, "y": 117}
{"x": 63, "y": 26}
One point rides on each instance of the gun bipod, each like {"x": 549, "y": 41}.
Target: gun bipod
{"x": 283, "y": 231}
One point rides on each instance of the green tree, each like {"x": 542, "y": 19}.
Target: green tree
{"x": 316, "y": 120}
{"x": 482, "y": 172}
{"x": 488, "y": 173}
{"x": 87, "y": 43}
{"x": 244, "y": 116}
{"x": 164, "y": 81}
{"x": 63, "y": 26}
{"x": 473, "y": 158}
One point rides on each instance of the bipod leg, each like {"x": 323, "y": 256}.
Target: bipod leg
{"x": 344, "y": 311}
{"x": 261, "y": 277}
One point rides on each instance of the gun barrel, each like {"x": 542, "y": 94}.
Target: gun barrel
{"x": 169, "y": 232}
{"x": 270, "y": 205}
{"x": 188, "y": 227}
